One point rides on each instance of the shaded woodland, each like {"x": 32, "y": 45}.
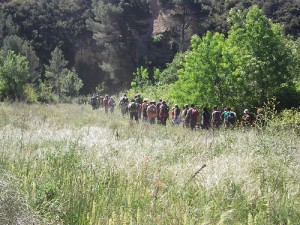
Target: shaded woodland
{"x": 101, "y": 42}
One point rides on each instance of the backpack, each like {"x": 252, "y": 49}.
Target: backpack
{"x": 164, "y": 110}
{"x": 111, "y": 103}
{"x": 231, "y": 117}
{"x": 152, "y": 109}
{"x": 105, "y": 101}
{"x": 216, "y": 116}
{"x": 158, "y": 107}
{"x": 133, "y": 107}
{"x": 94, "y": 100}
{"x": 177, "y": 111}
{"x": 194, "y": 114}
{"x": 145, "y": 106}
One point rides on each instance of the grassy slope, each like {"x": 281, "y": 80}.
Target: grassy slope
{"x": 79, "y": 166}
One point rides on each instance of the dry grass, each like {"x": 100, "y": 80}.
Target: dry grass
{"x": 79, "y": 166}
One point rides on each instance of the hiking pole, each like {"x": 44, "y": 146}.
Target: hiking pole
{"x": 195, "y": 174}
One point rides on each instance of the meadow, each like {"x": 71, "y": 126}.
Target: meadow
{"x": 69, "y": 164}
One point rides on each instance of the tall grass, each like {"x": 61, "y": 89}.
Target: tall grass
{"x": 74, "y": 165}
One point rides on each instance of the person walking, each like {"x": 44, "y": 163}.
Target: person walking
{"x": 144, "y": 110}
{"x": 216, "y": 120}
{"x": 133, "y": 110}
{"x": 192, "y": 116}
{"x": 185, "y": 119}
{"x": 176, "y": 117}
{"x": 205, "y": 122}
{"x": 152, "y": 112}
{"x": 164, "y": 113}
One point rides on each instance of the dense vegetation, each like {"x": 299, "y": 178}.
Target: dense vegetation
{"x": 103, "y": 42}
{"x": 69, "y": 164}
{"x": 254, "y": 62}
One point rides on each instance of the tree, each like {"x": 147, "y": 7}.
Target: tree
{"x": 24, "y": 48}
{"x": 14, "y": 74}
{"x": 243, "y": 70}
{"x": 141, "y": 79}
{"x": 204, "y": 75}
{"x": 63, "y": 82}
{"x": 186, "y": 18}
{"x": 113, "y": 27}
{"x": 261, "y": 56}
{"x": 109, "y": 32}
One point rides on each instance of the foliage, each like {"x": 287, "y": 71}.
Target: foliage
{"x": 63, "y": 82}
{"x": 186, "y": 18}
{"x": 242, "y": 70}
{"x": 170, "y": 74}
{"x": 101, "y": 89}
{"x": 14, "y": 74}
{"x": 31, "y": 94}
{"x": 288, "y": 119}
{"x": 262, "y": 57}
{"x": 24, "y": 48}
{"x": 111, "y": 29}
{"x": 122, "y": 30}
{"x": 203, "y": 78}
{"x": 141, "y": 79}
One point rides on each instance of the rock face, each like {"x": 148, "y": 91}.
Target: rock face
{"x": 152, "y": 38}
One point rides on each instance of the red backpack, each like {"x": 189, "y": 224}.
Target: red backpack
{"x": 194, "y": 114}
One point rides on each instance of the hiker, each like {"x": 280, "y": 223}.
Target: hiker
{"x": 101, "y": 101}
{"x": 223, "y": 113}
{"x": 216, "y": 120}
{"x": 123, "y": 104}
{"x": 164, "y": 113}
{"x": 185, "y": 120}
{"x": 229, "y": 118}
{"x": 152, "y": 112}
{"x": 94, "y": 102}
{"x": 158, "y": 111}
{"x": 172, "y": 114}
{"x": 144, "y": 110}
{"x": 133, "y": 110}
{"x": 139, "y": 101}
{"x": 247, "y": 118}
{"x": 192, "y": 116}
{"x": 205, "y": 122}
{"x": 111, "y": 104}
{"x": 105, "y": 103}
{"x": 260, "y": 118}
{"x": 176, "y": 116}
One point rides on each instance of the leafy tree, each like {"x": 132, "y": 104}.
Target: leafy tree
{"x": 14, "y": 74}
{"x": 186, "y": 19}
{"x": 101, "y": 89}
{"x": 19, "y": 46}
{"x": 243, "y": 70}
{"x": 169, "y": 75}
{"x": 113, "y": 27}
{"x": 141, "y": 79}
{"x": 204, "y": 74}
{"x": 71, "y": 84}
{"x": 63, "y": 82}
{"x": 107, "y": 29}
{"x": 261, "y": 56}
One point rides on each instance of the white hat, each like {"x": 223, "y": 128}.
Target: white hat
{"x": 246, "y": 111}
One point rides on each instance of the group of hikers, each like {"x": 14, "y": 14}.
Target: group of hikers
{"x": 106, "y": 102}
{"x": 159, "y": 113}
